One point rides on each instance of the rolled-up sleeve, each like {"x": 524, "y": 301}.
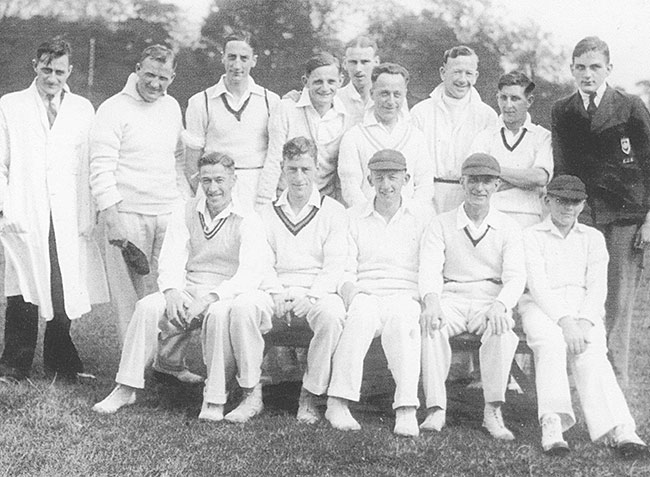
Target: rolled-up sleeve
{"x": 105, "y": 141}
{"x": 513, "y": 274}
{"x": 432, "y": 260}
{"x": 174, "y": 253}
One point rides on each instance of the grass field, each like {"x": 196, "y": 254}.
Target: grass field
{"x": 48, "y": 429}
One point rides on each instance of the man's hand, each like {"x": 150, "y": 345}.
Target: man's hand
{"x": 176, "y": 307}
{"x": 302, "y": 306}
{"x": 348, "y": 291}
{"x": 115, "y": 230}
{"x": 293, "y": 95}
{"x": 431, "y": 317}
{"x": 498, "y": 319}
{"x": 642, "y": 239}
{"x": 576, "y": 332}
{"x": 282, "y": 306}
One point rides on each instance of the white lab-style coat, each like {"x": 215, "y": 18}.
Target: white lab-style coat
{"x": 41, "y": 173}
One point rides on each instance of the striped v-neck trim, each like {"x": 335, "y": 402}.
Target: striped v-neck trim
{"x": 514, "y": 146}
{"x": 476, "y": 241}
{"x": 296, "y": 228}
{"x": 209, "y": 233}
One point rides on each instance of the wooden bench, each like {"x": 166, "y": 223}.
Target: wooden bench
{"x": 375, "y": 367}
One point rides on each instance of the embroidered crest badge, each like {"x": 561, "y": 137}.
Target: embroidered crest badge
{"x": 626, "y": 147}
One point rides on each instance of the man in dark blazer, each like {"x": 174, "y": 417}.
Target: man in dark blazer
{"x": 603, "y": 136}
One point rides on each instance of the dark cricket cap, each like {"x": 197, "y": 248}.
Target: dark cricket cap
{"x": 387, "y": 160}
{"x": 569, "y": 187}
{"x": 480, "y": 164}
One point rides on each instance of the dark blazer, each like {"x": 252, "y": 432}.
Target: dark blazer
{"x": 610, "y": 153}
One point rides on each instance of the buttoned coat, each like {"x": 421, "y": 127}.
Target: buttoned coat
{"x": 43, "y": 172}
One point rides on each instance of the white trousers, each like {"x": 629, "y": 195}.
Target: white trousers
{"x": 396, "y": 318}
{"x": 147, "y": 233}
{"x": 603, "y": 402}
{"x": 149, "y": 331}
{"x": 464, "y": 307}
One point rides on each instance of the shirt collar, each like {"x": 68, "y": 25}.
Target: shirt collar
{"x": 131, "y": 90}
{"x": 352, "y": 92}
{"x": 439, "y": 91}
{"x": 232, "y": 208}
{"x": 599, "y": 94}
{"x": 66, "y": 88}
{"x": 314, "y": 198}
{"x": 462, "y": 220}
{"x": 220, "y": 88}
{"x": 369, "y": 118}
{"x": 406, "y": 207}
{"x": 304, "y": 101}
{"x": 528, "y": 123}
{"x": 547, "y": 225}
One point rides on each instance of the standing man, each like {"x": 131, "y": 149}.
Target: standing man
{"x": 43, "y": 149}
{"x": 232, "y": 117}
{"x": 522, "y": 148}
{"x": 472, "y": 273}
{"x": 602, "y": 136}
{"x": 450, "y": 120}
{"x": 307, "y": 235}
{"x": 385, "y": 126}
{"x": 381, "y": 295}
{"x": 136, "y": 172}
{"x": 318, "y": 115}
{"x": 359, "y": 60}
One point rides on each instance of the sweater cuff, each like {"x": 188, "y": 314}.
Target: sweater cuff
{"x": 107, "y": 199}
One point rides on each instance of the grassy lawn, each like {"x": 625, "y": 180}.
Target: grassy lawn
{"x": 48, "y": 429}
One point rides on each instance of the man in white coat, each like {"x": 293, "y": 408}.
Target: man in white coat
{"x": 43, "y": 149}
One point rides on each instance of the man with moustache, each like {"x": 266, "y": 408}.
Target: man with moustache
{"x": 232, "y": 117}
{"x": 450, "y": 120}
{"x": 385, "y": 126}
{"x": 136, "y": 173}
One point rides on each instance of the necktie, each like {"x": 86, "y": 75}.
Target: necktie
{"x": 591, "y": 108}
{"x": 51, "y": 109}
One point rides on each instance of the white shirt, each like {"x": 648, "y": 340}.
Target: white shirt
{"x": 528, "y": 148}
{"x": 216, "y": 129}
{"x": 384, "y": 256}
{"x": 365, "y": 139}
{"x": 448, "y": 253}
{"x": 566, "y": 275}
{"x": 292, "y": 119}
{"x": 597, "y": 99}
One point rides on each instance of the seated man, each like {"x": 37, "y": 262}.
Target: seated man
{"x": 563, "y": 317}
{"x": 306, "y": 232}
{"x": 381, "y": 294}
{"x": 212, "y": 252}
{"x": 472, "y": 273}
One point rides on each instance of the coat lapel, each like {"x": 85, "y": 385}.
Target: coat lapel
{"x": 605, "y": 110}
{"x": 577, "y": 105}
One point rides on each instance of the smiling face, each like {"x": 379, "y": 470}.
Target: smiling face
{"x": 238, "y": 60}
{"x": 358, "y": 63}
{"x": 322, "y": 84}
{"x": 52, "y": 74}
{"x": 217, "y": 183}
{"x": 479, "y": 189}
{"x": 154, "y": 77}
{"x": 459, "y": 75}
{"x": 514, "y": 105}
{"x": 300, "y": 173}
{"x": 590, "y": 70}
{"x": 388, "y": 184}
{"x": 388, "y": 93}
{"x": 564, "y": 212}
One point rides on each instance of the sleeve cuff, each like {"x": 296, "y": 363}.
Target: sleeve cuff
{"x": 192, "y": 141}
{"x": 108, "y": 199}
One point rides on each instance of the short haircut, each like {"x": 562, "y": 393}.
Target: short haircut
{"x": 53, "y": 49}
{"x": 159, "y": 53}
{"x": 457, "y": 51}
{"x": 298, "y": 146}
{"x": 214, "y": 158}
{"x": 516, "y": 78}
{"x": 239, "y": 35}
{"x": 391, "y": 69}
{"x": 590, "y": 43}
{"x": 321, "y": 59}
{"x": 363, "y": 42}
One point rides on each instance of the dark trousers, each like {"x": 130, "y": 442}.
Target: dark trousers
{"x": 21, "y": 330}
